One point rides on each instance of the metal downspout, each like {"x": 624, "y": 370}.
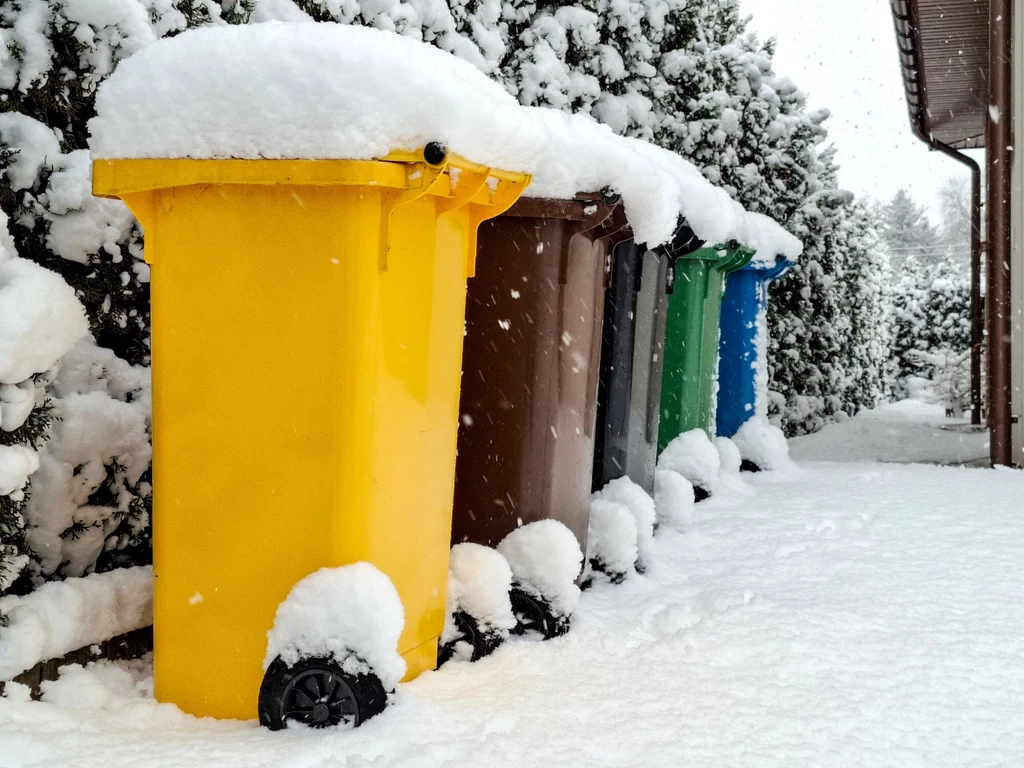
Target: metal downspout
{"x": 999, "y": 153}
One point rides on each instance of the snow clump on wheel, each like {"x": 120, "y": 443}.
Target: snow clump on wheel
{"x": 352, "y": 614}
{"x": 479, "y": 581}
{"x": 763, "y": 445}
{"x": 729, "y": 455}
{"x": 695, "y": 457}
{"x": 673, "y": 499}
{"x": 545, "y": 559}
{"x": 611, "y": 540}
{"x": 640, "y": 504}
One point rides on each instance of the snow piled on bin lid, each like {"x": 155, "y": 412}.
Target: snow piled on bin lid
{"x": 317, "y": 91}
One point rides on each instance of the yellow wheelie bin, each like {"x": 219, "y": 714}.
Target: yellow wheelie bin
{"x": 307, "y": 341}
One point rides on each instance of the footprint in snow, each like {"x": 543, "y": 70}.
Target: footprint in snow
{"x": 669, "y": 620}
{"x": 785, "y": 550}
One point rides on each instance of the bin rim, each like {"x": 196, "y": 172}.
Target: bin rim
{"x": 581, "y": 207}
{"x": 736, "y": 256}
{"x": 117, "y": 177}
{"x": 770, "y": 271}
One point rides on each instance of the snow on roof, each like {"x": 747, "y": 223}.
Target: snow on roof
{"x": 305, "y": 90}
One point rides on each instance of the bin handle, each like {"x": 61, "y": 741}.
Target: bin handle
{"x": 569, "y": 231}
{"x": 594, "y": 366}
{"x": 605, "y": 208}
{"x": 501, "y": 197}
{"x": 655, "y": 355}
{"x": 427, "y": 176}
{"x": 615, "y": 230}
{"x": 468, "y": 183}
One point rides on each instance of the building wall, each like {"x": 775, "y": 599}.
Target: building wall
{"x": 1017, "y": 252}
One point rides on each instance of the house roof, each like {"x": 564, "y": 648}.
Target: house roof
{"x": 943, "y": 49}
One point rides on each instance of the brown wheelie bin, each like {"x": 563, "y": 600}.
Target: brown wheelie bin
{"x": 531, "y": 361}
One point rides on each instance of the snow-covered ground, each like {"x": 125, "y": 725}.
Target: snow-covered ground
{"x": 903, "y": 432}
{"x": 850, "y": 614}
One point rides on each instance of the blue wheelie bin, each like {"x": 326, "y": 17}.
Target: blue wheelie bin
{"x": 746, "y": 299}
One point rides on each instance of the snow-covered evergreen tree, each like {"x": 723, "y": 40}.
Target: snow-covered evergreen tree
{"x": 907, "y": 232}
{"x": 53, "y": 56}
{"x": 728, "y": 112}
{"x": 470, "y": 29}
{"x": 40, "y": 321}
{"x": 595, "y": 57}
{"x": 932, "y": 312}
{"x": 832, "y": 321}
{"x": 868, "y": 298}
{"x": 808, "y": 321}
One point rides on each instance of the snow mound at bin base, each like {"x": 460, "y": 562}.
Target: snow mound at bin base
{"x": 479, "y": 580}
{"x": 352, "y": 613}
{"x": 673, "y": 499}
{"x": 695, "y": 457}
{"x": 763, "y": 444}
{"x": 640, "y": 505}
{"x": 321, "y": 91}
{"x": 611, "y": 539}
{"x": 545, "y": 559}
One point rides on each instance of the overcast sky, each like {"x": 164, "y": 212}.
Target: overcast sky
{"x": 843, "y": 54}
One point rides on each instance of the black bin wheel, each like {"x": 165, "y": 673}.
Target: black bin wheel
{"x": 318, "y": 693}
{"x": 615, "y": 577}
{"x": 482, "y": 642}
{"x": 534, "y": 615}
